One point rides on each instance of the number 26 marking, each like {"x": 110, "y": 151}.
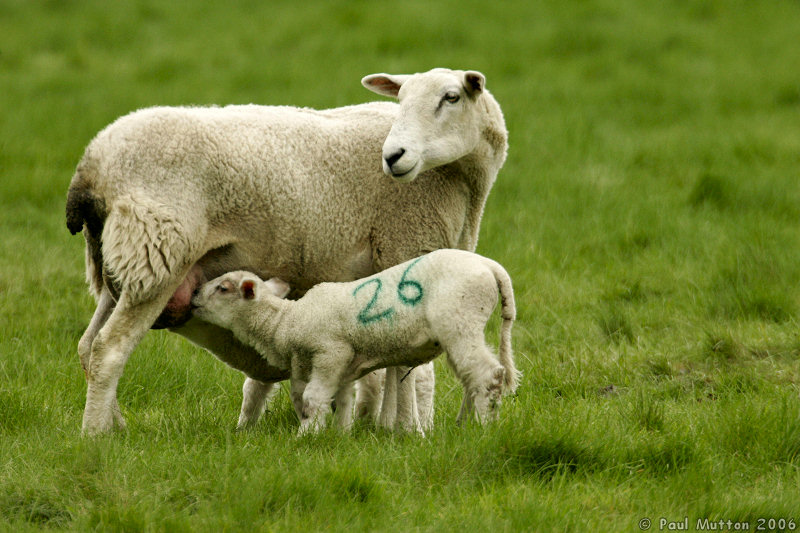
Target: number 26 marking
{"x": 368, "y": 315}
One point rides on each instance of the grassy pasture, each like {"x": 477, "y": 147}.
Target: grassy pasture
{"x": 649, "y": 214}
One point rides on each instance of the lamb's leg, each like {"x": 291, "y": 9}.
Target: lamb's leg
{"x": 325, "y": 382}
{"x": 489, "y": 394}
{"x": 481, "y": 375}
{"x": 369, "y": 396}
{"x": 298, "y": 386}
{"x": 467, "y": 408}
{"x": 317, "y": 404}
{"x": 344, "y": 407}
{"x": 113, "y": 344}
{"x": 255, "y": 395}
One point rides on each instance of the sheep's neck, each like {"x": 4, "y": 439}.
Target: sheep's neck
{"x": 480, "y": 175}
{"x": 480, "y": 168}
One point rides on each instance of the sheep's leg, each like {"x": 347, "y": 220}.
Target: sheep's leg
{"x": 424, "y": 385}
{"x": 399, "y": 409}
{"x": 344, "y": 407}
{"x": 389, "y": 404}
{"x": 407, "y": 413}
{"x": 254, "y": 401}
{"x": 105, "y": 305}
{"x": 113, "y": 344}
{"x": 369, "y": 396}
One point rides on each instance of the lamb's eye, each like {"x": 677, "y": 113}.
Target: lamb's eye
{"x": 223, "y": 289}
{"x": 452, "y": 97}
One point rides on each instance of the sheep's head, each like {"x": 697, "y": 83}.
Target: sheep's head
{"x": 438, "y": 122}
{"x": 223, "y": 299}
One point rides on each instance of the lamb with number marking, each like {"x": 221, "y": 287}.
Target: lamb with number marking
{"x": 403, "y": 316}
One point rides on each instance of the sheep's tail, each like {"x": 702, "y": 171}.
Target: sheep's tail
{"x": 86, "y": 212}
{"x": 508, "y": 312}
{"x": 144, "y": 241}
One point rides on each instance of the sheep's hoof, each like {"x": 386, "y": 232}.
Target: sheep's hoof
{"x": 103, "y": 426}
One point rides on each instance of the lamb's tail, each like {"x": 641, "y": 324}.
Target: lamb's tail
{"x": 86, "y": 212}
{"x": 508, "y": 312}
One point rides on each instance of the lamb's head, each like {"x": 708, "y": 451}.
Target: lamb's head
{"x": 222, "y": 300}
{"x": 439, "y": 119}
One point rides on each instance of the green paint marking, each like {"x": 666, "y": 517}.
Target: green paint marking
{"x": 368, "y": 315}
{"x": 405, "y": 285}
{"x": 364, "y": 316}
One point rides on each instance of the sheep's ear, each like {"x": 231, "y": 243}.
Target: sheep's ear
{"x": 474, "y": 81}
{"x": 248, "y": 289}
{"x": 278, "y": 287}
{"x": 384, "y": 84}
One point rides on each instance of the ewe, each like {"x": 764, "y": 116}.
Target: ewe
{"x": 170, "y": 197}
{"x": 405, "y": 315}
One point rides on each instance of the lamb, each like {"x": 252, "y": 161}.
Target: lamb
{"x": 169, "y": 197}
{"x": 405, "y": 315}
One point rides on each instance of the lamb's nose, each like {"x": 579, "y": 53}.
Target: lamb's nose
{"x": 392, "y": 159}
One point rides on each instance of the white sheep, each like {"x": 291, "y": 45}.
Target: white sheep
{"x": 372, "y": 397}
{"x": 405, "y": 315}
{"x": 169, "y": 197}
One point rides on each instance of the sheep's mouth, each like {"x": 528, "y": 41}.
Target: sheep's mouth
{"x": 401, "y": 174}
{"x": 408, "y": 175}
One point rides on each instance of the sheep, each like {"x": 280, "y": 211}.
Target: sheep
{"x": 169, "y": 197}
{"x": 405, "y": 315}
{"x": 371, "y": 397}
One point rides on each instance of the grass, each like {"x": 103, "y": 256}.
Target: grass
{"x": 648, "y": 213}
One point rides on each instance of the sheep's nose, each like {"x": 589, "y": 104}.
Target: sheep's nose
{"x": 392, "y": 159}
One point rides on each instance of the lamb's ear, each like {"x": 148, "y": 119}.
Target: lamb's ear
{"x": 248, "y": 289}
{"x": 278, "y": 287}
{"x": 474, "y": 81}
{"x": 384, "y": 84}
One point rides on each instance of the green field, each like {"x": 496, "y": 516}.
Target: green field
{"x": 648, "y": 212}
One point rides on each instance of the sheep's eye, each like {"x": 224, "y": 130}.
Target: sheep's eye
{"x": 223, "y": 289}
{"x": 452, "y": 97}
